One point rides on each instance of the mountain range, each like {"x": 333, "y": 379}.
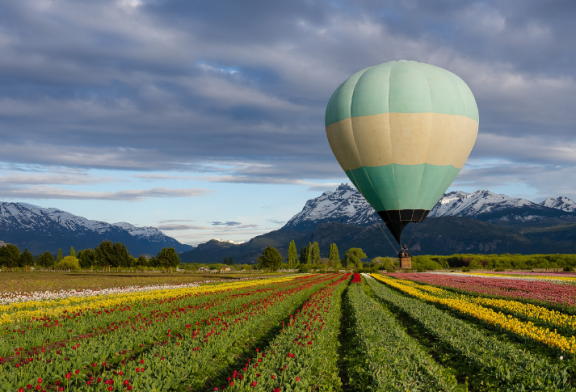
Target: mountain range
{"x": 41, "y": 229}
{"x": 478, "y": 222}
{"x": 460, "y": 222}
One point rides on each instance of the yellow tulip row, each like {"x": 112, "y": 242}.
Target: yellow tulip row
{"x": 507, "y": 322}
{"x": 547, "y": 277}
{"x": 530, "y": 311}
{"x": 56, "y": 308}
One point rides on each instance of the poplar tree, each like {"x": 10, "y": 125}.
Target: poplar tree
{"x": 334, "y": 255}
{"x": 315, "y": 254}
{"x": 292, "y": 255}
{"x": 59, "y": 257}
{"x": 309, "y": 254}
{"x": 304, "y": 255}
{"x": 72, "y": 252}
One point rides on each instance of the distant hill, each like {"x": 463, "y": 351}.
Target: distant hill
{"x": 41, "y": 229}
{"x": 439, "y": 236}
{"x": 479, "y": 222}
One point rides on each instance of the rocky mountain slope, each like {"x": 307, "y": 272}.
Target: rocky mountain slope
{"x": 40, "y": 229}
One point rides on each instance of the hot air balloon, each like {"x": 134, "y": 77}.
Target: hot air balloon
{"x": 402, "y": 131}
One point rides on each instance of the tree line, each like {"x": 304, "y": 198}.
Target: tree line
{"x": 310, "y": 258}
{"x": 354, "y": 258}
{"x": 494, "y": 261}
{"x": 107, "y": 255}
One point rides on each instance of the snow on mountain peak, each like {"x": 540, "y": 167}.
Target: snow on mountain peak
{"x": 23, "y": 215}
{"x": 347, "y": 205}
{"x": 464, "y": 204}
{"x": 560, "y": 203}
{"x": 139, "y": 231}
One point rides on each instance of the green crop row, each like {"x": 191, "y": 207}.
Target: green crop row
{"x": 395, "y": 360}
{"x": 493, "y": 365}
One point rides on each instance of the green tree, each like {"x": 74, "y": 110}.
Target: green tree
{"x": 334, "y": 255}
{"x": 383, "y": 263}
{"x": 87, "y": 258}
{"x": 72, "y": 252}
{"x": 168, "y": 258}
{"x": 112, "y": 255}
{"x": 230, "y": 260}
{"x": 315, "y": 254}
{"x": 304, "y": 255}
{"x": 292, "y": 255}
{"x": 68, "y": 263}
{"x": 9, "y": 256}
{"x": 59, "y": 257}
{"x": 309, "y": 254}
{"x": 353, "y": 257}
{"x": 225, "y": 261}
{"x": 26, "y": 259}
{"x": 46, "y": 260}
{"x": 271, "y": 259}
{"x": 141, "y": 262}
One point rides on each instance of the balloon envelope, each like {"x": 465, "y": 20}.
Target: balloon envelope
{"x": 402, "y": 131}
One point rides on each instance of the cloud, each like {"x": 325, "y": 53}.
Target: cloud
{"x": 237, "y": 92}
{"x": 277, "y": 222}
{"x": 62, "y": 179}
{"x": 175, "y": 220}
{"x": 156, "y": 177}
{"x": 229, "y": 223}
{"x": 48, "y": 192}
{"x": 181, "y": 227}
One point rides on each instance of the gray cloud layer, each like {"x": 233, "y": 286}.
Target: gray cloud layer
{"x": 237, "y": 90}
{"x": 49, "y": 192}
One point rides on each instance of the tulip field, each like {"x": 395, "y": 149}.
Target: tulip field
{"x": 311, "y": 332}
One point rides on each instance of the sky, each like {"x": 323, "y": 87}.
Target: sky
{"x": 206, "y": 118}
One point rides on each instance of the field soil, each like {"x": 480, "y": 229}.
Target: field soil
{"x": 42, "y": 281}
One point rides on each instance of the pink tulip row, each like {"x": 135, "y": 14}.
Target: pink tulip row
{"x": 510, "y": 288}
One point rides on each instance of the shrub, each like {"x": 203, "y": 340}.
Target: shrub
{"x": 68, "y": 262}
{"x": 499, "y": 269}
{"x": 568, "y": 269}
{"x": 465, "y": 269}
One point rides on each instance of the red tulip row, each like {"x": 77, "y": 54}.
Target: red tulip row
{"x": 37, "y": 332}
{"x": 141, "y": 334}
{"x": 542, "y": 292}
{"x": 303, "y": 356}
{"x": 181, "y": 362}
{"x": 356, "y": 278}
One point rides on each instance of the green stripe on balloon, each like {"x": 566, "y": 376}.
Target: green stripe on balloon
{"x": 403, "y": 187}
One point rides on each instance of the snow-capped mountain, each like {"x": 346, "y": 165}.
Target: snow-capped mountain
{"x": 150, "y": 233}
{"x": 560, "y": 203}
{"x": 347, "y": 205}
{"x": 486, "y": 205}
{"x": 40, "y": 229}
{"x": 344, "y": 205}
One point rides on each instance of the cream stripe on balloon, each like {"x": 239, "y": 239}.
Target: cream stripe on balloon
{"x": 433, "y": 138}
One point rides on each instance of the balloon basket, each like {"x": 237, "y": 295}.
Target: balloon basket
{"x": 406, "y": 262}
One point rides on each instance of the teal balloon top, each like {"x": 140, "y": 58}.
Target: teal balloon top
{"x": 402, "y": 131}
